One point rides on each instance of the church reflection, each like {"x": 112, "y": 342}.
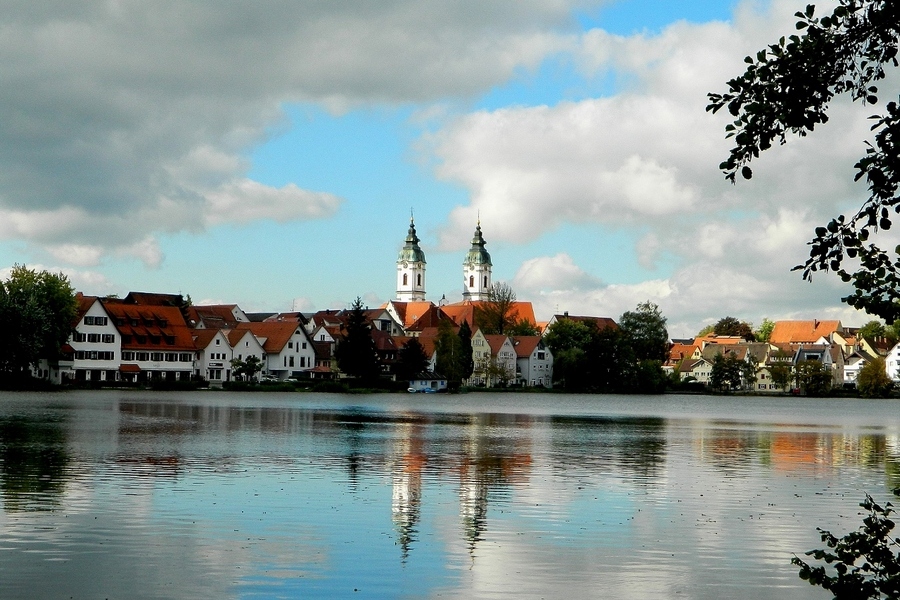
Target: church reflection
{"x": 487, "y": 456}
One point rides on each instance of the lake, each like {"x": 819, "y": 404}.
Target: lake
{"x": 131, "y": 494}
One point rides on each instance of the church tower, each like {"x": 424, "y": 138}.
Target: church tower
{"x": 411, "y": 268}
{"x": 477, "y": 269}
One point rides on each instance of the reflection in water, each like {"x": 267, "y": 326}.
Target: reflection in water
{"x": 249, "y": 499}
{"x": 33, "y": 463}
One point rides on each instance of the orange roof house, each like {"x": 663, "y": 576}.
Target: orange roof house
{"x": 803, "y": 332}
{"x": 465, "y": 311}
{"x": 154, "y": 327}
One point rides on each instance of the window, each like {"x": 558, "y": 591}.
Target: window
{"x": 291, "y": 361}
{"x": 304, "y": 345}
{"x": 322, "y": 337}
{"x": 302, "y": 361}
{"x": 143, "y": 356}
{"x": 128, "y": 355}
{"x": 291, "y": 345}
{"x": 404, "y": 279}
{"x": 185, "y": 357}
{"x": 471, "y": 281}
{"x": 78, "y": 337}
{"x": 96, "y": 321}
{"x": 109, "y": 338}
{"x": 540, "y": 355}
{"x": 218, "y": 342}
{"x": 419, "y": 279}
{"x": 485, "y": 282}
{"x": 156, "y": 356}
{"x": 171, "y": 357}
{"x": 93, "y": 338}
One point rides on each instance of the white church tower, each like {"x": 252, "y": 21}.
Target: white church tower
{"x": 411, "y": 268}
{"x": 477, "y": 269}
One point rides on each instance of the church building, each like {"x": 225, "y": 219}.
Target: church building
{"x": 411, "y": 269}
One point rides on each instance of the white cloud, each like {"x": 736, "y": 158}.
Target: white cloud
{"x": 645, "y": 161}
{"x": 137, "y": 115}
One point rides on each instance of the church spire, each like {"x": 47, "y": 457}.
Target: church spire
{"x": 477, "y": 268}
{"x": 411, "y": 267}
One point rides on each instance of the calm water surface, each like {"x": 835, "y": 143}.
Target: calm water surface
{"x": 121, "y": 494}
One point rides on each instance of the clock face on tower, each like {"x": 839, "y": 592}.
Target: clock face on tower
{"x": 405, "y": 264}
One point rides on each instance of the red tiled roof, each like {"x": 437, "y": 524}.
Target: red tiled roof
{"x": 600, "y": 322}
{"x": 150, "y": 327}
{"x": 802, "y": 331}
{"x": 495, "y": 341}
{"x": 465, "y": 311}
{"x": 277, "y": 333}
{"x": 129, "y": 368}
{"x": 525, "y": 344}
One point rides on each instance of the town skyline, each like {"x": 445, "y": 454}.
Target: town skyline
{"x": 276, "y": 169}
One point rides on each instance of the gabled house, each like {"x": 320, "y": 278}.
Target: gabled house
{"x": 288, "y": 349}
{"x": 892, "y": 363}
{"x": 599, "y": 322}
{"x": 156, "y": 341}
{"x": 858, "y": 359}
{"x": 699, "y": 370}
{"x": 804, "y": 332}
{"x": 501, "y": 368}
{"x": 534, "y": 361}
{"x": 96, "y": 344}
{"x": 215, "y": 316}
{"x": 214, "y": 355}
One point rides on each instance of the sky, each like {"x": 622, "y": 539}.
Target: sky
{"x": 270, "y": 154}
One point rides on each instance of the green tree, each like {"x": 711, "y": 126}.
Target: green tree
{"x": 871, "y": 330}
{"x": 814, "y": 378}
{"x": 861, "y": 565}
{"x": 873, "y": 380}
{"x": 522, "y": 328}
{"x": 449, "y": 348}
{"x": 786, "y": 89}
{"x": 645, "y": 330}
{"x": 732, "y": 326}
{"x": 466, "y": 364}
{"x": 411, "y": 359}
{"x": 37, "y": 313}
{"x": 706, "y": 330}
{"x": 781, "y": 369}
{"x": 764, "y": 331}
{"x": 566, "y": 334}
{"x": 355, "y": 353}
{"x": 730, "y": 373}
{"x": 497, "y": 314}
{"x": 246, "y": 369}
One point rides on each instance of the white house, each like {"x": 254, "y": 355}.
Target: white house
{"x": 96, "y": 343}
{"x": 288, "y": 349}
{"x": 534, "y": 361}
{"x": 214, "y": 355}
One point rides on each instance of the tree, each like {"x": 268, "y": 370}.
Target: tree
{"x": 355, "y": 353}
{"x": 780, "y": 369}
{"x": 862, "y": 564}
{"x": 465, "y": 362}
{"x": 729, "y": 372}
{"x": 411, "y": 360}
{"x": 521, "y": 328}
{"x": 496, "y": 314}
{"x": 786, "y": 89}
{"x": 731, "y": 326}
{"x": 449, "y": 348}
{"x": 814, "y": 378}
{"x": 765, "y": 330}
{"x": 873, "y": 380}
{"x": 246, "y": 369}
{"x": 645, "y": 330}
{"x": 871, "y": 330}
{"x": 706, "y": 331}
{"x": 37, "y": 312}
{"x": 566, "y": 334}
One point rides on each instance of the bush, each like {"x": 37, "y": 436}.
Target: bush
{"x": 864, "y": 561}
